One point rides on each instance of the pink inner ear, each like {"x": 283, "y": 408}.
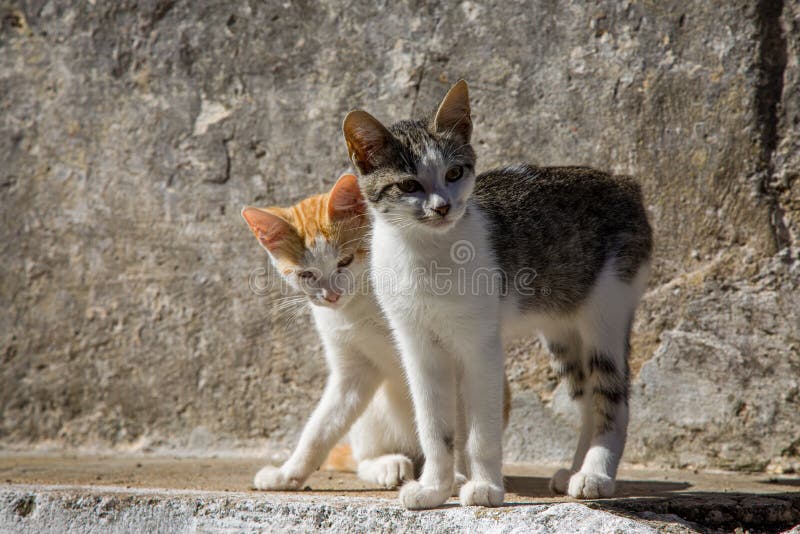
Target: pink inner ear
{"x": 345, "y": 198}
{"x": 268, "y": 228}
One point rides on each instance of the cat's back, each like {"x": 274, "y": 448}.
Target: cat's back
{"x": 555, "y": 191}
{"x": 566, "y": 223}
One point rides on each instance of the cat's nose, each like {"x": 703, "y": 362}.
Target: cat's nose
{"x": 442, "y": 210}
{"x": 331, "y": 297}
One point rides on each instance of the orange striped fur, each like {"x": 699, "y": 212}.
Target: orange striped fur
{"x": 298, "y": 227}
{"x": 309, "y": 218}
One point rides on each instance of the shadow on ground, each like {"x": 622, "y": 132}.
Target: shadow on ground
{"x": 527, "y": 486}
{"x": 782, "y": 481}
{"x": 670, "y": 501}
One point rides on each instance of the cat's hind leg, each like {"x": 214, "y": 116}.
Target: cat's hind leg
{"x": 605, "y": 423}
{"x": 567, "y": 362}
{"x": 388, "y": 471}
{"x": 604, "y": 324}
{"x": 384, "y": 439}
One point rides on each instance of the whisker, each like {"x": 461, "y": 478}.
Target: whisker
{"x": 284, "y": 305}
{"x": 352, "y": 240}
{"x": 291, "y": 315}
{"x": 287, "y": 304}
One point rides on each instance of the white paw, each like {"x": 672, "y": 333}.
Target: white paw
{"x": 415, "y": 496}
{"x": 590, "y": 486}
{"x": 481, "y": 493}
{"x": 560, "y": 480}
{"x": 274, "y": 478}
{"x": 388, "y": 471}
{"x": 458, "y": 482}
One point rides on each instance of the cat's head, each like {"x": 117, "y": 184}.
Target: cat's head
{"x": 416, "y": 174}
{"x": 318, "y": 245}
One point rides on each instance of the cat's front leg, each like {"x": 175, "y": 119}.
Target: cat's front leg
{"x": 350, "y": 387}
{"x": 461, "y": 460}
{"x": 431, "y": 377}
{"x": 483, "y": 389}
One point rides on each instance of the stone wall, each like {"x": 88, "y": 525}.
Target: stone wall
{"x": 131, "y": 133}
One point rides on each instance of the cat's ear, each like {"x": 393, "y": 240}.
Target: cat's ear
{"x": 453, "y": 114}
{"x": 366, "y": 138}
{"x": 345, "y": 200}
{"x": 271, "y": 231}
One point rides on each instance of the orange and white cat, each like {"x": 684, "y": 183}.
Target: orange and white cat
{"x": 319, "y": 246}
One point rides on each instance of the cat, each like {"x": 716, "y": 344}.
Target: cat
{"x": 320, "y": 248}
{"x": 559, "y": 251}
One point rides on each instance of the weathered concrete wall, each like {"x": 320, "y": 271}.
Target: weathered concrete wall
{"x": 131, "y": 133}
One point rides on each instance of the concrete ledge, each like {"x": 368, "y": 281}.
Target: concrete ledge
{"x": 145, "y": 493}
{"x": 109, "y": 510}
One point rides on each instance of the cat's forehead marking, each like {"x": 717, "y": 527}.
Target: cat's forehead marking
{"x": 318, "y": 245}
{"x": 431, "y": 163}
{"x": 320, "y": 253}
{"x": 321, "y": 244}
{"x": 431, "y": 156}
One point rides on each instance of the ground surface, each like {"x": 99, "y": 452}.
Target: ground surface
{"x": 119, "y": 493}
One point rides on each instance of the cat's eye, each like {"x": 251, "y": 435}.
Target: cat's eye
{"x": 306, "y": 276}
{"x": 344, "y": 262}
{"x": 454, "y": 174}
{"x": 409, "y": 186}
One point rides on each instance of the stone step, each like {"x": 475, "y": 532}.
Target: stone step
{"x": 145, "y": 493}
{"x": 38, "y": 509}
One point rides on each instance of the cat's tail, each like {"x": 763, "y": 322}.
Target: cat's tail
{"x": 340, "y": 459}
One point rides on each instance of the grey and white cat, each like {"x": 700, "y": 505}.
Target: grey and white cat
{"x": 462, "y": 262}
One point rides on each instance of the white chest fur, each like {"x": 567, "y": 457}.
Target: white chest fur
{"x": 360, "y": 325}
{"x": 444, "y": 278}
